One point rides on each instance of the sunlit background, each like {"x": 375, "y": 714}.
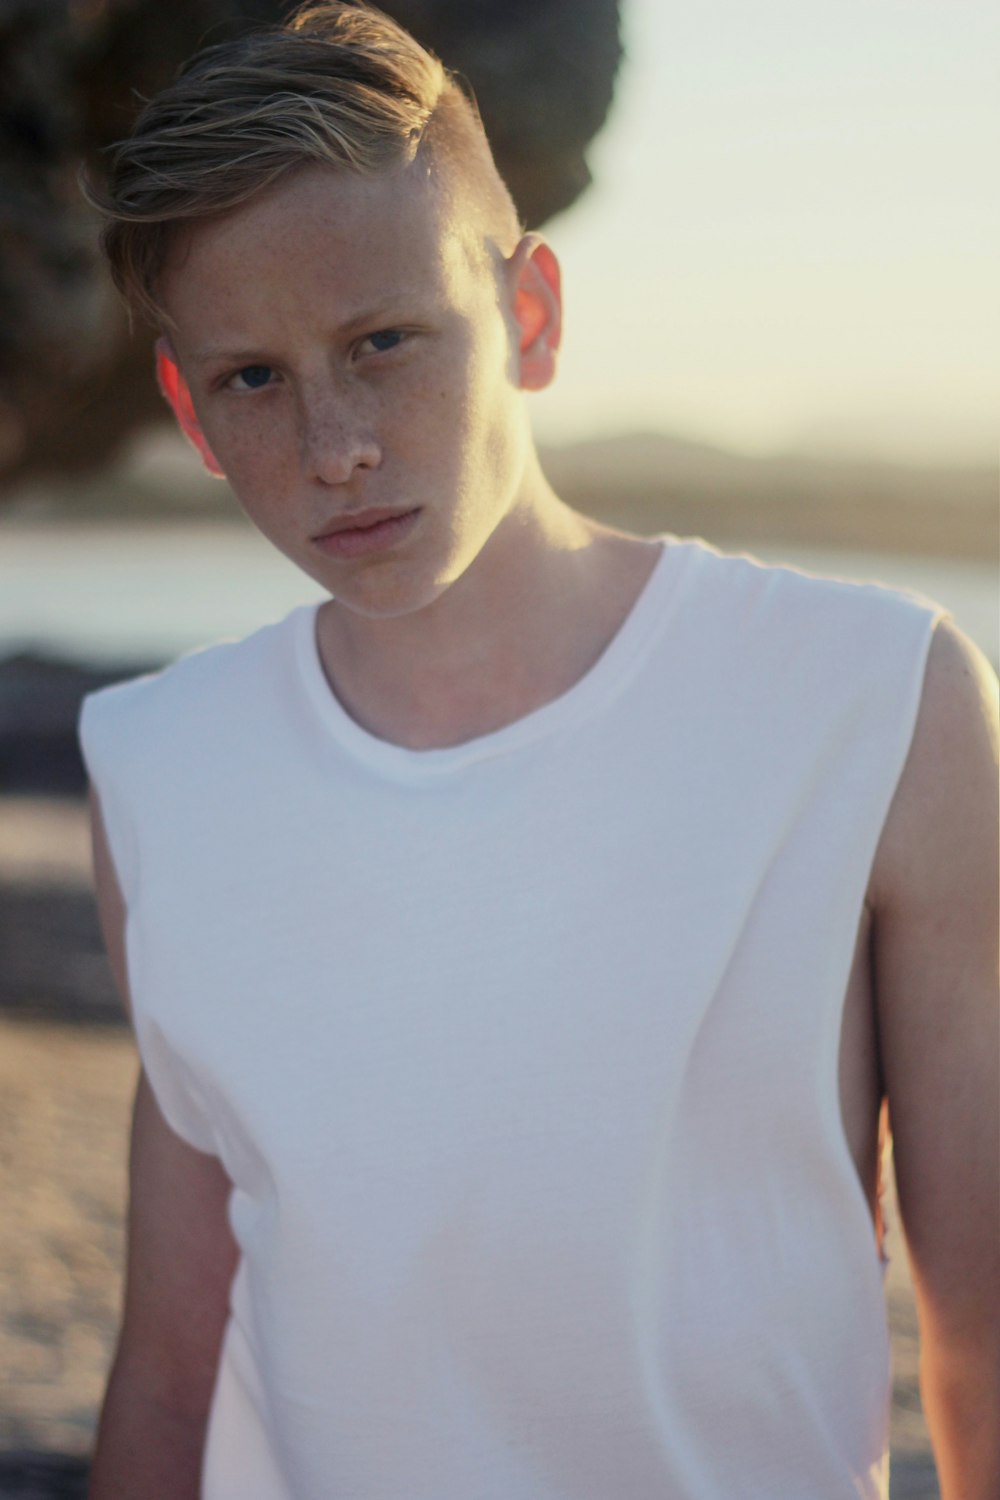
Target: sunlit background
{"x": 793, "y": 237}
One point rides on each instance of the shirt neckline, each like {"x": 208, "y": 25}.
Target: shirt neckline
{"x": 623, "y": 655}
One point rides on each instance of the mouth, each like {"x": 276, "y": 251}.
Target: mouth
{"x": 359, "y": 532}
{"x": 361, "y": 520}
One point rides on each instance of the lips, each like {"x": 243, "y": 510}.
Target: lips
{"x": 361, "y": 520}
{"x": 363, "y": 533}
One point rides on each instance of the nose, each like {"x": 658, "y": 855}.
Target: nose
{"x": 335, "y": 438}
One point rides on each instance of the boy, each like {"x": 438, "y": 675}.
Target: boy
{"x": 519, "y": 945}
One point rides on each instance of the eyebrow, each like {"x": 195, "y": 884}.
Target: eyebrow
{"x": 213, "y": 353}
{"x": 212, "y": 356}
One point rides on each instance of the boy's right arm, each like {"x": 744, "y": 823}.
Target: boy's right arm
{"x": 181, "y": 1259}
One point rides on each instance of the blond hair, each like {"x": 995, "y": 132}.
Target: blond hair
{"x": 339, "y": 84}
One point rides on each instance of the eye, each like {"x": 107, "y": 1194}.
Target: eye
{"x": 251, "y": 377}
{"x": 384, "y": 340}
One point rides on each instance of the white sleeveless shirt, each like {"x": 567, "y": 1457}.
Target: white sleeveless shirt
{"x": 522, "y": 1055}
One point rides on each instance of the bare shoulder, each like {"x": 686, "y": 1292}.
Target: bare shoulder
{"x": 935, "y": 897}
{"x": 941, "y": 826}
{"x": 937, "y": 1010}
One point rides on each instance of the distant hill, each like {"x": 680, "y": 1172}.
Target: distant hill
{"x": 651, "y": 481}
{"x": 646, "y": 481}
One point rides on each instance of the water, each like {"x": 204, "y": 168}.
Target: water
{"x": 139, "y": 593}
{"x": 128, "y": 593}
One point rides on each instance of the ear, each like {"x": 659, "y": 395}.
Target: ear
{"x": 175, "y": 391}
{"x": 537, "y": 296}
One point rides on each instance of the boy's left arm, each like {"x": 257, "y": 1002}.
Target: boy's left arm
{"x": 935, "y": 896}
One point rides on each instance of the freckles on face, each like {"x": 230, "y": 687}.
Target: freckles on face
{"x": 346, "y": 348}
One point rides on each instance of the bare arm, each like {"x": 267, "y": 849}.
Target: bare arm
{"x": 181, "y": 1259}
{"x": 936, "y": 969}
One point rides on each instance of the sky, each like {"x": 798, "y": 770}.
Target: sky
{"x": 793, "y": 238}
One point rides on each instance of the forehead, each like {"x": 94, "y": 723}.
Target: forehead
{"x": 322, "y": 233}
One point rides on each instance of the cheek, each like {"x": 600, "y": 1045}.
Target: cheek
{"x": 249, "y": 443}
{"x": 495, "y": 408}
{"x": 476, "y": 392}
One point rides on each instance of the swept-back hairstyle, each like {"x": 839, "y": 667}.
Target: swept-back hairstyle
{"x": 340, "y": 84}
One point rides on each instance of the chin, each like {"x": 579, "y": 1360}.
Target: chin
{"x": 385, "y": 598}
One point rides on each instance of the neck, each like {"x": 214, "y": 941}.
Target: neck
{"x": 520, "y": 626}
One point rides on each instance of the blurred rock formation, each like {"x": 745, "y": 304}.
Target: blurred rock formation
{"x": 42, "y": 1476}
{"x": 72, "y": 76}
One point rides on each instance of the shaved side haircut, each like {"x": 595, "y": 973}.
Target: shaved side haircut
{"x": 340, "y": 85}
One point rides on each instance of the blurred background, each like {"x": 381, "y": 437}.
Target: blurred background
{"x": 782, "y": 328}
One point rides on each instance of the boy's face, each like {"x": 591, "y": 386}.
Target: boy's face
{"x": 352, "y": 357}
